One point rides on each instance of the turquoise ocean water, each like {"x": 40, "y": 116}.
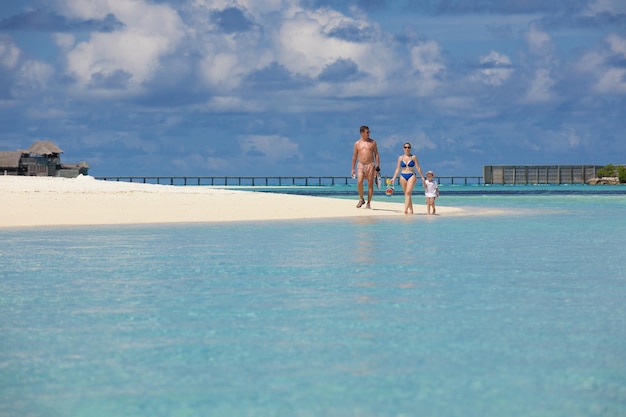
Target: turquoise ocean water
{"x": 517, "y": 314}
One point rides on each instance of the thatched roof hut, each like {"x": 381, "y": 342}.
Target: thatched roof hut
{"x": 44, "y": 147}
{"x": 43, "y": 158}
{"x": 10, "y": 159}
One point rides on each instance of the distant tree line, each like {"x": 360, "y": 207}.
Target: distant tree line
{"x": 611, "y": 170}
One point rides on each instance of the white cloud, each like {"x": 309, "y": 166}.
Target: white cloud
{"x": 423, "y": 141}
{"x": 223, "y": 104}
{"x": 617, "y": 44}
{"x": 150, "y": 32}
{"x": 496, "y": 69}
{"x": 561, "y": 139}
{"x": 195, "y": 162}
{"x": 273, "y": 146}
{"x": 304, "y": 48}
{"x": 43, "y": 111}
{"x": 264, "y": 6}
{"x": 254, "y": 6}
{"x": 609, "y": 79}
{"x": 538, "y": 41}
{"x": 610, "y": 6}
{"x": 64, "y": 40}
{"x": 428, "y": 65}
{"x": 85, "y": 9}
{"x": 222, "y": 70}
{"x": 540, "y": 86}
{"x": 463, "y": 106}
{"x": 418, "y": 141}
{"x": 612, "y": 81}
{"x": 33, "y": 76}
{"x": 572, "y": 137}
{"x": 217, "y": 164}
{"x": 591, "y": 61}
{"x": 226, "y": 58}
{"x": 305, "y": 42}
{"x": 391, "y": 143}
{"x": 9, "y": 53}
{"x": 221, "y": 4}
{"x": 308, "y": 41}
{"x": 426, "y": 59}
{"x": 543, "y": 67}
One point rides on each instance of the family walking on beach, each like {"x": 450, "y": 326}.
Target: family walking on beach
{"x": 368, "y": 168}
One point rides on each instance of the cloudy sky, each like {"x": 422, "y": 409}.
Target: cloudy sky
{"x": 280, "y": 87}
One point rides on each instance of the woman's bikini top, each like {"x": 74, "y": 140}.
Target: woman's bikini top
{"x": 411, "y": 164}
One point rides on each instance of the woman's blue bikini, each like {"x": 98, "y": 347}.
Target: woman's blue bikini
{"x": 411, "y": 164}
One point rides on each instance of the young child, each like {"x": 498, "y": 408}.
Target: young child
{"x": 431, "y": 192}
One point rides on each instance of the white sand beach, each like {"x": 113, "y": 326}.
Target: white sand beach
{"x": 51, "y": 201}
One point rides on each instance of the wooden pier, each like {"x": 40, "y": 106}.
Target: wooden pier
{"x": 248, "y": 181}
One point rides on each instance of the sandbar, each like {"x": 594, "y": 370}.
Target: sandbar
{"x": 53, "y": 201}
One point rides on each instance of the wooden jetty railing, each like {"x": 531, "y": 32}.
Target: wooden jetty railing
{"x": 269, "y": 181}
{"x": 468, "y": 180}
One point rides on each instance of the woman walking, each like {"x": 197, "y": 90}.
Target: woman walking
{"x": 408, "y": 167}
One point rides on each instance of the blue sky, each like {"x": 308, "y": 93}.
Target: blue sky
{"x": 280, "y": 87}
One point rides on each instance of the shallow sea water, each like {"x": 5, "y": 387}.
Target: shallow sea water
{"x": 519, "y": 314}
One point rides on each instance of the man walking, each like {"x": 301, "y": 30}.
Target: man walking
{"x": 366, "y": 151}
